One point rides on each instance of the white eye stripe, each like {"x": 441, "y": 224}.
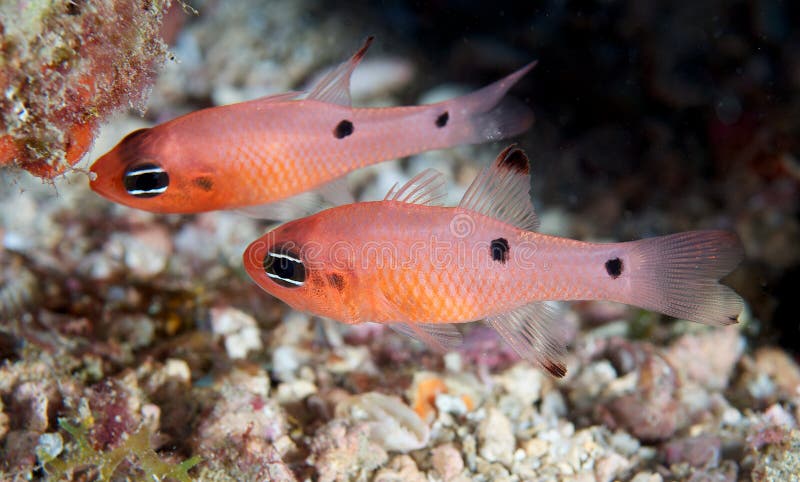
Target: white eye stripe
{"x": 137, "y": 192}
{"x": 285, "y": 256}
{"x": 151, "y": 170}
{"x": 294, "y": 282}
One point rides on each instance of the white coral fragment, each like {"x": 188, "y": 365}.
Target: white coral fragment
{"x": 393, "y": 424}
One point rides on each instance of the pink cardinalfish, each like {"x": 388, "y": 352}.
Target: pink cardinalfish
{"x": 267, "y": 156}
{"x": 419, "y": 268}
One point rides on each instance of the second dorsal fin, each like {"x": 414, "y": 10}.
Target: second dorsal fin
{"x": 503, "y": 190}
{"x": 335, "y": 87}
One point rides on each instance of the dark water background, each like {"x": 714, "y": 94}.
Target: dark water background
{"x": 652, "y": 117}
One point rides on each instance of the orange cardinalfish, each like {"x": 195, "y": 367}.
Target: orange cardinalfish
{"x": 420, "y": 267}
{"x": 261, "y": 156}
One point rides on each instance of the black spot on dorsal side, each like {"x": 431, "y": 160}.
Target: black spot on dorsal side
{"x": 514, "y": 158}
{"x": 441, "y": 121}
{"x": 499, "y": 248}
{"x": 343, "y": 129}
{"x": 205, "y": 183}
{"x": 337, "y": 281}
{"x": 614, "y": 267}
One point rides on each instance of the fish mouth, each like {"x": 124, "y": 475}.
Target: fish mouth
{"x": 253, "y": 259}
{"x": 100, "y": 179}
{"x": 106, "y": 181}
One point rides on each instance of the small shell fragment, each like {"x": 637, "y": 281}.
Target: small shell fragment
{"x": 393, "y": 425}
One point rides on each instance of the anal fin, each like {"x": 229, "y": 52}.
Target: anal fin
{"x": 442, "y": 337}
{"x": 532, "y": 331}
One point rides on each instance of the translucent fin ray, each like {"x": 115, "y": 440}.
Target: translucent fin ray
{"x": 337, "y": 192}
{"x": 678, "y": 275}
{"x": 426, "y": 188}
{"x": 335, "y": 86}
{"x": 503, "y": 190}
{"x": 441, "y": 337}
{"x": 286, "y": 96}
{"x": 294, "y": 207}
{"x": 533, "y": 332}
{"x": 491, "y": 116}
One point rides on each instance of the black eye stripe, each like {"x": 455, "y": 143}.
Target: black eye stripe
{"x": 285, "y": 268}
{"x": 146, "y": 180}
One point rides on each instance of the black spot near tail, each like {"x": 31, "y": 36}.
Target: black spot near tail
{"x": 441, "y": 121}
{"x": 343, "y": 129}
{"x": 499, "y": 249}
{"x": 614, "y": 267}
{"x": 514, "y": 158}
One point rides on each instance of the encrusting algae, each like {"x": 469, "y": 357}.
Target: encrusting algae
{"x": 65, "y": 66}
{"x": 135, "y": 448}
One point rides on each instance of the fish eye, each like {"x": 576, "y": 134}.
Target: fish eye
{"x": 146, "y": 180}
{"x": 285, "y": 268}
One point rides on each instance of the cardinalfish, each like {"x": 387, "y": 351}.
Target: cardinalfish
{"x": 274, "y": 157}
{"x": 420, "y": 268}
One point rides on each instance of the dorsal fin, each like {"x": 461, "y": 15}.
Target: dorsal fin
{"x": 335, "y": 87}
{"x": 283, "y": 97}
{"x": 503, "y": 190}
{"x": 427, "y": 188}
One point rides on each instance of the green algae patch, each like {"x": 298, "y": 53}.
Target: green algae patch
{"x": 136, "y": 448}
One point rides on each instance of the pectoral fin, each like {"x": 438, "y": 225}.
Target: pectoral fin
{"x": 286, "y": 209}
{"x": 442, "y": 337}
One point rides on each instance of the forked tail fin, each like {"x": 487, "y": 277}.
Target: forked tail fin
{"x": 490, "y": 115}
{"x": 679, "y": 274}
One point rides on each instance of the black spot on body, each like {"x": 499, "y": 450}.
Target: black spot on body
{"x": 514, "y": 158}
{"x": 441, "y": 121}
{"x": 499, "y": 249}
{"x": 614, "y": 267}
{"x": 343, "y": 129}
{"x": 204, "y": 183}
{"x": 337, "y": 281}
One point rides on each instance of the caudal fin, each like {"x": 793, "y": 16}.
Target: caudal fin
{"x": 678, "y": 275}
{"x": 490, "y": 114}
